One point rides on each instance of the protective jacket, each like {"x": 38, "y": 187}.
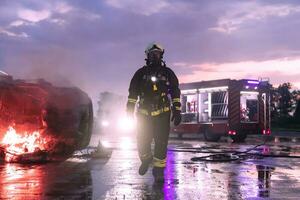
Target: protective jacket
{"x": 155, "y": 90}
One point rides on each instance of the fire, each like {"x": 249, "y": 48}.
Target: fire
{"x": 17, "y": 144}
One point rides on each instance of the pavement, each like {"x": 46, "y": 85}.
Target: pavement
{"x": 287, "y": 134}
{"x": 273, "y": 176}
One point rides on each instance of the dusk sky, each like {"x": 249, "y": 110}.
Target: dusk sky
{"x": 98, "y": 45}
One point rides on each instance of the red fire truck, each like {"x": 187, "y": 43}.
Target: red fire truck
{"x": 225, "y": 107}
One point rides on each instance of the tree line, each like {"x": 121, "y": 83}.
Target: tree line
{"x": 285, "y": 106}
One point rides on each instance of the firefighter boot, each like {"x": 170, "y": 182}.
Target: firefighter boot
{"x": 158, "y": 174}
{"x": 145, "y": 165}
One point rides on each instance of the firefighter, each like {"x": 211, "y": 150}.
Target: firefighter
{"x": 154, "y": 92}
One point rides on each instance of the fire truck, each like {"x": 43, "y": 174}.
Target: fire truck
{"x": 225, "y": 107}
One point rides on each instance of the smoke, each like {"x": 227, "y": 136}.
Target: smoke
{"x": 54, "y": 66}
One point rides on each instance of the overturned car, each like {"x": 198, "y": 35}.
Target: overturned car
{"x": 39, "y": 120}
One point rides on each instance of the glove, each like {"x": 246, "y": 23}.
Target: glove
{"x": 176, "y": 117}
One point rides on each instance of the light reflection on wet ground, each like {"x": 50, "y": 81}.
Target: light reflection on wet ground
{"x": 117, "y": 177}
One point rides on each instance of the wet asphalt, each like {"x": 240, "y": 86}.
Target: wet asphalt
{"x": 276, "y": 175}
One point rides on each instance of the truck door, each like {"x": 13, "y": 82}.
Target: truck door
{"x": 190, "y": 109}
{"x": 249, "y": 107}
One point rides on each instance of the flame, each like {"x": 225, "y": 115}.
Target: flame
{"x": 17, "y": 144}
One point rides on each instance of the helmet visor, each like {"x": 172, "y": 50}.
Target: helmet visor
{"x": 155, "y": 55}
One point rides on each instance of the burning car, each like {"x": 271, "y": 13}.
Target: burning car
{"x": 39, "y": 120}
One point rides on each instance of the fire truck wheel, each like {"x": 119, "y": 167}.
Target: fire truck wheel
{"x": 211, "y": 137}
{"x": 240, "y": 137}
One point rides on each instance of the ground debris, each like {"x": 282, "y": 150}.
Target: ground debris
{"x": 91, "y": 152}
{"x": 35, "y": 157}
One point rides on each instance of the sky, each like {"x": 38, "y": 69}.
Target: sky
{"x": 97, "y": 45}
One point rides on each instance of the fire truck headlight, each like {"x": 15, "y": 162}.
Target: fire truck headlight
{"x": 126, "y": 124}
{"x": 255, "y": 88}
{"x": 105, "y": 123}
{"x": 126, "y": 143}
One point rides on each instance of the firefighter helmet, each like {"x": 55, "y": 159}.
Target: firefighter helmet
{"x": 154, "y": 47}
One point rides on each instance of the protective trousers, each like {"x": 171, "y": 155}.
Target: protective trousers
{"x": 157, "y": 128}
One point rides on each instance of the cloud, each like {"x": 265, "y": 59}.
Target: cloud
{"x": 91, "y": 16}
{"x": 33, "y": 15}
{"x": 63, "y": 7}
{"x": 89, "y": 41}
{"x": 12, "y": 34}
{"x": 21, "y": 15}
{"x": 243, "y": 13}
{"x": 142, "y": 7}
{"x": 58, "y": 21}
{"x": 17, "y": 23}
{"x": 278, "y": 71}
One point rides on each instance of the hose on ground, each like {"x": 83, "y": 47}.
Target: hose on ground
{"x": 228, "y": 156}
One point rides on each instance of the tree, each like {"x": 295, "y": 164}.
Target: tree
{"x": 275, "y": 104}
{"x": 296, "y": 100}
{"x": 285, "y": 99}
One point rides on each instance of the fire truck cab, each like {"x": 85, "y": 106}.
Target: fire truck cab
{"x": 225, "y": 107}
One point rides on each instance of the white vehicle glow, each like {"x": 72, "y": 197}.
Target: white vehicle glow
{"x": 126, "y": 143}
{"x": 105, "y": 123}
{"x": 106, "y": 143}
{"x": 126, "y": 124}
